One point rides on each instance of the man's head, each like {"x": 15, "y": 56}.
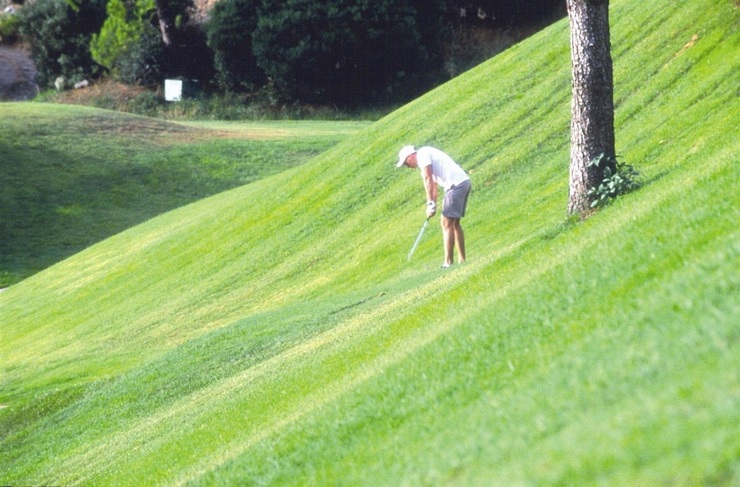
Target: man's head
{"x": 407, "y": 156}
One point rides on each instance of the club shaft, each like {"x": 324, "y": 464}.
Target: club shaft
{"x": 418, "y": 239}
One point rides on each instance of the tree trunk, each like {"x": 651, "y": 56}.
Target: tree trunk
{"x": 592, "y": 109}
{"x": 166, "y": 21}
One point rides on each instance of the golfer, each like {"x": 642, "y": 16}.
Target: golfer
{"x": 437, "y": 168}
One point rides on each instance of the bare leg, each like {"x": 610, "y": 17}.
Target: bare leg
{"x": 448, "y": 236}
{"x": 459, "y": 240}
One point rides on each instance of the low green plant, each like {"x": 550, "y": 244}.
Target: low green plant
{"x": 8, "y": 28}
{"x": 619, "y": 178}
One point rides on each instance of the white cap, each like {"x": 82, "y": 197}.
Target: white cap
{"x": 405, "y": 151}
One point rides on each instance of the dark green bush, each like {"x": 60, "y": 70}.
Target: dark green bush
{"x": 344, "y": 52}
{"x": 189, "y": 57}
{"x": 230, "y": 37}
{"x": 141, "y": 63}
{"x": 59, "y": 35}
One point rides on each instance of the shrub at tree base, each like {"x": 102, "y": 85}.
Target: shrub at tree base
{"x": 619, "y": 178}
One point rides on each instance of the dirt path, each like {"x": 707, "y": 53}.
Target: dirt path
{"x": 17, "y": 75}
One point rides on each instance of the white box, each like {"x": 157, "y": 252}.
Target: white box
{"x": 173, "y": 89}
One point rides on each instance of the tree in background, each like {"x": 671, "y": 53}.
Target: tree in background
{"x": 131, "y": 45}
{"x": 432, "y": 18}
{"x": 59, "y": 34}
{"x": 128, "y": 44}
{"x": 507, "y": 13}
{"x": 172, "y": 15}
{"x": 344, "y": 52}
{"x": 229, "y": 31}
{"x": 186, "y": 52}
{"x": 592, "y": 110}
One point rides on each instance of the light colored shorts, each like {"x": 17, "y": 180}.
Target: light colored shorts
{"x": 456, "y": 200}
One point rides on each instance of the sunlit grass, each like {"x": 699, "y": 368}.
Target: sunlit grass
{"x": 275, "y": 334}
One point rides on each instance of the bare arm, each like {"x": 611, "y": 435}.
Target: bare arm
{"x": 429, "y": 185}
{"x": 431, "y": 188}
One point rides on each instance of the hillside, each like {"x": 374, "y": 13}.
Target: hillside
{"x": 74, "y": 176}
{"x": 275, "y": 334}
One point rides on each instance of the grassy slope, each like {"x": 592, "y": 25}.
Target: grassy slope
{"x": 61, "y": 192}
{"x": 240, "y": 340}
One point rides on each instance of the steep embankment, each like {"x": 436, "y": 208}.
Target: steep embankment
{"x": 275, "y": 333}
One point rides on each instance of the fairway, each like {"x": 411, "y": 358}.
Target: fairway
{"x": 73, "y": 176}
{"x": 274, "y": 333}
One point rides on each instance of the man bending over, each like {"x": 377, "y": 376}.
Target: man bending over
{"x": 437, "y": 168}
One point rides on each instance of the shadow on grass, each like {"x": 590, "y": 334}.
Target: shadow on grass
{"x": 53, "y": 204}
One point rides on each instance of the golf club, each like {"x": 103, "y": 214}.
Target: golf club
{"x": 418, "y": 238}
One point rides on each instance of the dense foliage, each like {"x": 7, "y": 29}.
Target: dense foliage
{"x": 512, "y": 12}
{"x": 186, "y": 53}
{"x": 8, "y": 28}
{"x": 341, "y": 52}
{"x": 230, "y": 36}
{"x": 59, "y": 34}
{"x": 128, "y": 45}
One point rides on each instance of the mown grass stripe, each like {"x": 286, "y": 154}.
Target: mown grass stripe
{"x": 150, "y": 428}
{"x": 197, "y": 407}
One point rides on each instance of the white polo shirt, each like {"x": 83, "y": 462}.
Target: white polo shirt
{"x": 445, "y": 172}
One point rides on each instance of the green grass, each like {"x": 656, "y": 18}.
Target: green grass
{"x": 74, "y": 176}
{"x": 285, "y": 340}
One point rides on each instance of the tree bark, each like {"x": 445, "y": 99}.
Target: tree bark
{"x": 592, "y": 108}
{"x": 166, "y": 21}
